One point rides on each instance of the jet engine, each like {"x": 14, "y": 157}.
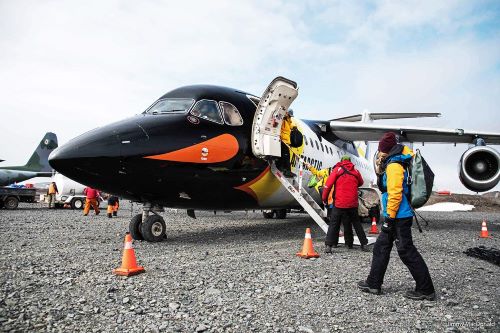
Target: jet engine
{"x": 479, "y": 168}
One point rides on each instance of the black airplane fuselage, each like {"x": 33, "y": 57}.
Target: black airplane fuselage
{"x": 159, "y": 158}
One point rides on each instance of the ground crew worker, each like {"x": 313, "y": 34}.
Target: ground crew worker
{"x": 113, "y": 205}
{"x": 286, "y": 128}
{"x": 322, "y": 176}
{"x": 51, "y": 192}
{"x": 92, "y": 195}
{"x": 397, "y": 226}
{"x": 345, "y": 180}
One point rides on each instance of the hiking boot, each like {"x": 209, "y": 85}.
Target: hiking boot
{"x": 328, "y": 249}
{"x": 420, "y": 296}
{"x": 288, "y": 174}
{"x": 115, "y": 214}
{"x": 363, "y": 286}
{"x": 97, "y": 213}
{"x": 365, "y": 249}
{"x": 109, "y": 215}
{"x": 350, "y": 247}
{"x": 335, "y": 246}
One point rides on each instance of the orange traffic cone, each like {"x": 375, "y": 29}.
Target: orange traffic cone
{"x": 129, "y": 263}
{"x": 484, "y": 230}
{"x": 374, "y": 230}
{"x": 308, "y": 249}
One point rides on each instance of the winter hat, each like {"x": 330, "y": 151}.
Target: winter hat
{"x": 387, "y": 142}
{"x": 345, "y": 158}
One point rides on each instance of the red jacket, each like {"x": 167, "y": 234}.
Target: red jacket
{"x": 345, "y": 185}
{"x": 91, "y": 193}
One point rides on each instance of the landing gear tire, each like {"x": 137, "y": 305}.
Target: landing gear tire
{"x": 268, "y": 215}
{"x": 11, "y": 203}
{"x": 281, "y": 214}
{"x": 135, "y": 227}
{"x": 77, "y": 204}
{"x": 153, "y": 229}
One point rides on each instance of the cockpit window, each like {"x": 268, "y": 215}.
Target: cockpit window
{"x": 208, "y": 110}
{"x": 170, "y": 105}
{"x": 255, "y": 100}
{"x": 231, "y": 114}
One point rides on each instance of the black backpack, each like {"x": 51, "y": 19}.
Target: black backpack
{"x": 296, "y": 138}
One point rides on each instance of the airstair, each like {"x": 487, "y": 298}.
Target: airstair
{"x": 294, "y": 187}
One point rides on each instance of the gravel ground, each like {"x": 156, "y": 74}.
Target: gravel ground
{"x": 233, "y": 272}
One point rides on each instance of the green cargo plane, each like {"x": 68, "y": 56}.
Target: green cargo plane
{"x": 37, "y": 165}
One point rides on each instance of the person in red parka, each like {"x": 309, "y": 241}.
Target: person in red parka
{"x": 92, "y": 197}
{"x": 344, "y": 180}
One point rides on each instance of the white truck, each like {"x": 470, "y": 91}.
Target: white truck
{"x": 70, "y": 192}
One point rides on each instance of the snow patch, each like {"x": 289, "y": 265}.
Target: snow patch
{"x": 446, "y": 207}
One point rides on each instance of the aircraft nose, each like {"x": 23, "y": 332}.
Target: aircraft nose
{"x": 88, "y": 157}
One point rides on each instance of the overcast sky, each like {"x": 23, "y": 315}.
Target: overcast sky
{"x": 70, "y": 66}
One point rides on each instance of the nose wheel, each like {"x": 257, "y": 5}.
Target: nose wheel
{"x": 147, "y": 227}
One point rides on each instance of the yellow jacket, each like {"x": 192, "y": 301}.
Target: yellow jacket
{"x": 321, "y": 176}
{"x": 286, "y": 129}
{"x": 52, "y": 189}
{"x": 394, "y": 200}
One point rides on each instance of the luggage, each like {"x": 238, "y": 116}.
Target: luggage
{"x": 296, "y": 138}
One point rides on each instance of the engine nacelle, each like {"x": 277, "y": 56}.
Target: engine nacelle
{"x": 479, "y": 168}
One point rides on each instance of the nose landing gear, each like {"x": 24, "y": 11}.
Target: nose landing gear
{"x": 148, "y": 227}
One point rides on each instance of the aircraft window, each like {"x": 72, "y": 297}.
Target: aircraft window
{"x": 305, "y": 140}
{"x": 207, "y": 110}
{"x": 311, "y": 142}
{"x": 170, "y": 105}
{"x": 317, "y": 146}
{"x": 322, "y": 149}
{"x": 231, "y": 115}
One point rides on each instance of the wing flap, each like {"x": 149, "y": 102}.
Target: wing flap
{"x": 371, "y": 132}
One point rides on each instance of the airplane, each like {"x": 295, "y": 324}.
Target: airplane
{"x": 37, "y": 165}
{"x": 204, "y": 147}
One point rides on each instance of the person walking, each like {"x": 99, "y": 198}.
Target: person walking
{"x": 344, "y": 180}
{"x": 113, "y": 205}
{"x": 398, "y": 215}
{"x": 92, "y": 196}
{"x": 51, "y": 192}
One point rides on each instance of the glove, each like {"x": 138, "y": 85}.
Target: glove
{"x": 388, "y": 224}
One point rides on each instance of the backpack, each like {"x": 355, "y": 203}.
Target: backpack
{"x": 420, "y": 180}
{"x": 296, "y": 138}
{"x": 313, "y": 181}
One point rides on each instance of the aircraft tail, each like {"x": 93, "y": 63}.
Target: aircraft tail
{"x": 39, "y": 161}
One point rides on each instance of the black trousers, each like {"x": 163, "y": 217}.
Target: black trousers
{"x": 284, "y": 162}
{"x": 400, "y": 233}
{"x": 349, "y": 217}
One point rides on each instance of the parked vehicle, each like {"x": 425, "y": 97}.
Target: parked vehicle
{"x": 11, "y": 196}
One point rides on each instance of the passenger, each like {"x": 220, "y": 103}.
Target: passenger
{"x": 113, "y": 205}
{"x": 92, "y": 196}
{"x": 286, "y": 128}
{"x": 397, "y": 226}
{"x": 51, "y": 192}
{"x": 322, "y": 176}
{"x": 345, "y": 180}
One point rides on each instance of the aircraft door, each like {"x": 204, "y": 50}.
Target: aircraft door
{"x": 268, "y": 117}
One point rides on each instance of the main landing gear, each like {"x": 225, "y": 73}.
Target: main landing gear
{"x": 148, "y": 226}
{"x": 278, "y": 213}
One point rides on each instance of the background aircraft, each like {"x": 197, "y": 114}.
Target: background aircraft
{"x": 209, "y": 147}
{"x": 37, "y": 165}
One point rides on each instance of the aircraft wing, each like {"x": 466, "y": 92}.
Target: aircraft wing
{"x": 370, "y": 132}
